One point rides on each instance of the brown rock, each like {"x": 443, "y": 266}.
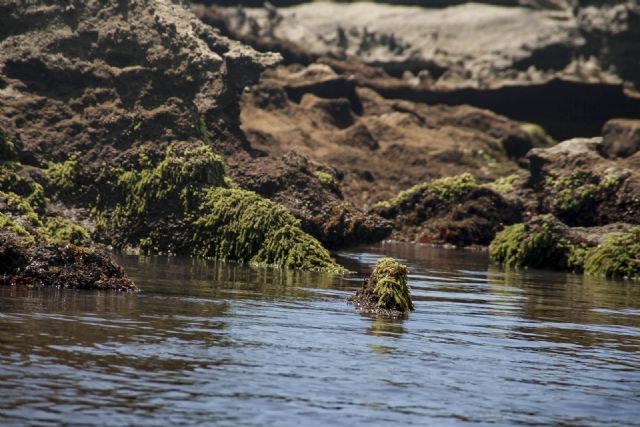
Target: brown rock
{"x": 621, "y": 137}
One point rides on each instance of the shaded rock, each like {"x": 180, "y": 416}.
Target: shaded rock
{"x": 70, "y": 267}
{"x": 621, "y": 138}
{"x": 386, "y": 292}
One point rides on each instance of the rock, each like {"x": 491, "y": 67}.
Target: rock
{"x": 452, "y": 210}
{"x": 545, "y": 242}
{"x": 70, "y": 267}
{"x": 553, "y": 68}
{"x": 107, "y": 83}
{"x": 386, "y": 147}
{"x": 612, "y": 33}
{"x": 576, "y": 183}
{"x": 621, "y": 137}
{"x": 386, "y": 292}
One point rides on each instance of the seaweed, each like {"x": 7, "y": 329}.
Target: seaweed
{"x": 541, "y": 243}
{"x": 386, "y": 291}
{"x": 617, "y": 256}
{"x": 448, "y": 190}
{"x": 184, "y": 204}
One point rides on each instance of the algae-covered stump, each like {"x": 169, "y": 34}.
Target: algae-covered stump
{"x": 386, "y": 292}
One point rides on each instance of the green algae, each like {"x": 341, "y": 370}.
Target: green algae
{"x": 391, "y": 287}
{"x": 7, "y": 147}
{"x": 580, "y": 191}
{"x": 61, "y": 231}
{"x": 327, "y": 180}
{"x": 541, "y": 245}
{"x": 240, "y": 225}
{"x": 503, "y": 184}
{"x": 9, "y": 224}
{"x": 617, "y": 256}
{"x": 185, "y": 204}
{"x": 448, "y": 190}
{"x": 178, "y": 178}
{"x": 64, "y": 175}
{"x": 21, "y": 218}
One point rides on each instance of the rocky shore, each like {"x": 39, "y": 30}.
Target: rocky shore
{"x": 270, "y": 135}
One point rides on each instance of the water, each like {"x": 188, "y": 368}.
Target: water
{"x": 212, "y": 343}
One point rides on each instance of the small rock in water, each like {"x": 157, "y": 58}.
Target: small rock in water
{"x": 386, "y": 292}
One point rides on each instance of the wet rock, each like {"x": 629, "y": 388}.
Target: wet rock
{"x": 70, "y": 267}
{"x": 621, "y": 137}
{"x": 386, "y": 292}
{"x": 547, "y": 243}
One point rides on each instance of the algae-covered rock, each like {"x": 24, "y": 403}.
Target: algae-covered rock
{"x": 184, "y": 204}
{"x": 453, "y": 210}
{"x": 545, "y": 242}
{"x": 617, "y": 256}
{"x": 386, "y": 291}
{"x": 540, "y": 243}
{"x": 580, "y": 186}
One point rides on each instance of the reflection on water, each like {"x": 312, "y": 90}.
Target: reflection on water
{"x": 214, "y": 343}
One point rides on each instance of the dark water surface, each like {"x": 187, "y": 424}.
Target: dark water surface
{"x": 211, "y": 343}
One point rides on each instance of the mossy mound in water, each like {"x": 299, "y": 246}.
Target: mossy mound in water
{"x": 540, "y": 243}
{"x": 386, "y": 291}
{"x": 617, "y": 256}
{"x": 184, "y": 205}
{"x": 38, "y": 247}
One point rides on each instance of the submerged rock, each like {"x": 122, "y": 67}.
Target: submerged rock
{"x": 386, "y": 292}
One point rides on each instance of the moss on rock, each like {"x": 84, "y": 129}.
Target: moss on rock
{"x": 184, "y": 205}
{"x": 617, "y": 256}
{"x": 545, "y": 242}
{"x": 386, "y": 291}
{"x": 539, "y": 243}
{"x": 504, "y": 184}
{"x": 239, "y": 225}
{"x": 575, "y": 196}
{"x": 447, "y": 189}
{"x": 7, "y": 147}
{"x": 328, "y": 181}
{"x": 63, "y": 175}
